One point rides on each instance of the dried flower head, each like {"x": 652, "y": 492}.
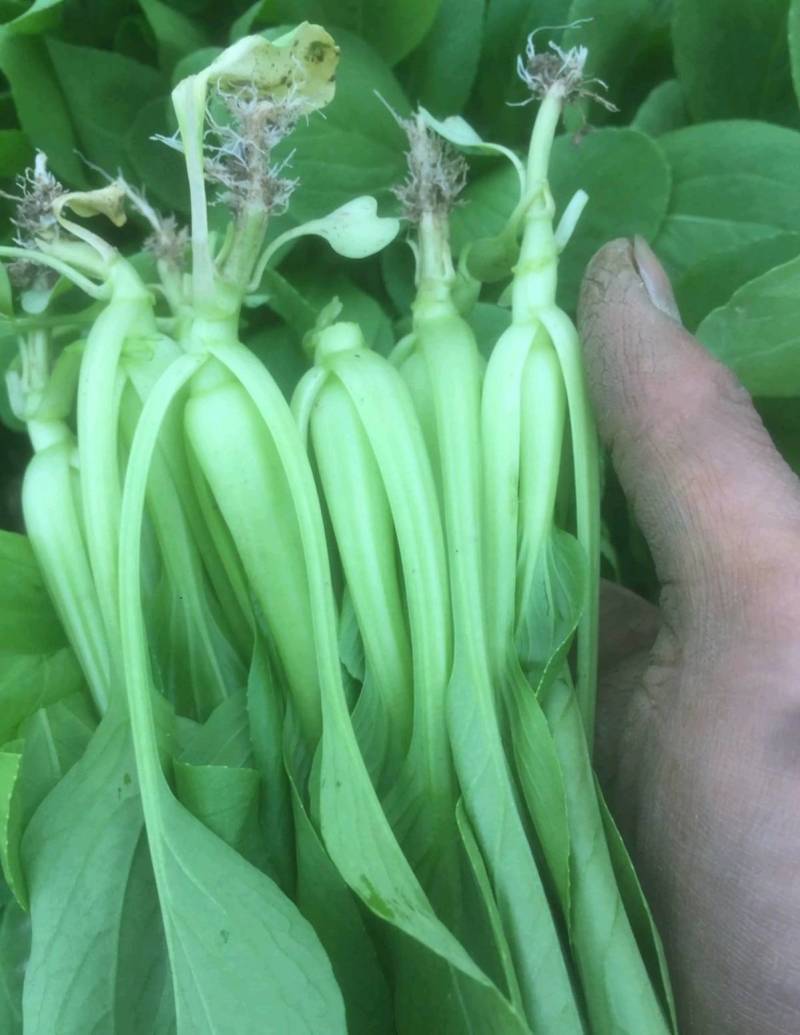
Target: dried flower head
{"x": 239, "y": 152}
{"x": 26, "y": 275}
{"x": 168, "y": 241}
{"x": 436, "y": 172}
{"x": 559, "y": 71}
{"x": 35, "y": 215}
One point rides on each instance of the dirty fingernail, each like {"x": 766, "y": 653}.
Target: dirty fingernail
{"x": 655, "y": 280}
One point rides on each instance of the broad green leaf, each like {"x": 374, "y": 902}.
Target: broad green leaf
{"x": 724, "y": 194}
{"x": 176, "y": 34}
{"x": 327, "y": 903}
{"x": 39, "y": 16}
{"x": 224, "y": 738}
{"x": 794, "y": 45}
{"x": 134, "y": 39}
{"x": 592, "y": 166}
{"x": 638, "y": 911}
{"x": 629, "y": 48}
{"x": 757, "y": 333}
{"x": 442, "y": 69}
{"x": 541, "y": 781}
{"x": 732, "y": 59}
{"x": 160, "y": 167}
{"x": 15, "y": 937}
{"x": 711, "y": 282}
{"x": 144, "y": 999}
{"x": 662, "y": 110}
{"x": 615, "y": 981}
{"x": 491, "y": 805}
{"x": 16, "y": 154}
{"x": 356, "y": 148}
{"x": 43, "y": 111}
{"x": 28, "y": 623}
{"x": 225, "y": 799}
{"x": 486, "y": 891}
{"x": 238, "y": 946}
{"x": 488, "y": 321}
{"x": 77, "y": 851}
{"x": 56, "y": 737}
{"x": 265, "y": 712}
{"x": 6, "y": 301}
{"x": 280, "y": 349}
{"x": 104, "y": 93}
{"x": 31, "y": 681}
{"x": 397, "y": 270}
{"x": 11, "y": 819}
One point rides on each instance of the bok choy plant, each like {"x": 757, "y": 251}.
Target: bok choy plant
{"x": 324, "y": 764}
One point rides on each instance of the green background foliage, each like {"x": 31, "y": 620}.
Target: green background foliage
{"x": 701, "y": 157}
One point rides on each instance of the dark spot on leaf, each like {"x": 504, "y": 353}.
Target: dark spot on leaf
{"x": 224, "y": 937}
{"x": 316, "y": 52}
{"x": 126, "y": 779}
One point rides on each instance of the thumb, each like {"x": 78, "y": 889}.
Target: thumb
{"x": 718, "y": 505}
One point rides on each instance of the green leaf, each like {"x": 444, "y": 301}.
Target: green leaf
{"x": 356, "y": 148}
{"x": 663, "y": 109}
{"x": 105, "y": 93}
{"x": 794, "y": 45}
{"x": 484, "y": 886}
{"x": 724, "y": 193}
{"x": 28, "y": 623}
{"x": 711, "y": 282}
{"x": 224, "y": 798}
{"x": 224, "y": 738}
{"x": 593, "y": 166}
{"x": 265, "y": 711}
{"x": 144, "y": 999}
{"x": 488, "y": 322}
{"x": 16, "y": 154}
{"x": 158, "y": 167}
{"x": 629, "y": 48}
{"x": 15, "y": 940}
{"x": 78, "y": 851}
{"x": 440, "y": 72}
{"x": 491, "y": 804}
{"x": 56, "y": 737}
{"x": 637, "y": 910}
{"x": 42, "y": 108}
{"x": 31, "y": 681}
{"x": 238, "y": 945}
{"x": 11, "y": 820}
{"x": 617, "y": 986}
{"x": 757, "y": 333}
{"x": 177, "y": 35}
{"x": 732, "y": 59}
{"x": 41, "y": 15}
{"x": 328, "y": 903}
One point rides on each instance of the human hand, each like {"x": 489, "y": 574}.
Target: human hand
{"x": 698, "y": 743}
